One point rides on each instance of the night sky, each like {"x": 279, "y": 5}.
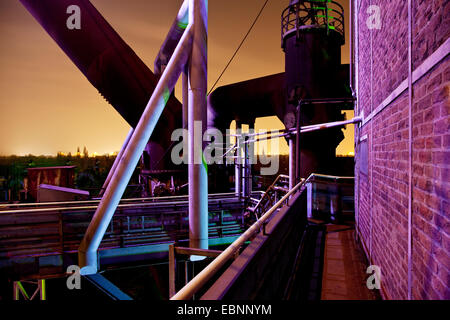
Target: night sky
{"x": 47, "y": 105}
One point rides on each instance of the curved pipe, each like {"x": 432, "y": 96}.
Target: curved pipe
{"x": 244, "y": 101}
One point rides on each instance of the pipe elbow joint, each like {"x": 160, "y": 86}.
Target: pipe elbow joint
{"x": 87, "y": 261}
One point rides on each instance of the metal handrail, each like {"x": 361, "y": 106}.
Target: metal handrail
{"x": 198, "y": 281}
{"x": 95, "y": 201}
{"x": 319, "y": 176}
{"x": 266, "y": 193}
{"x": 123, "y": 205}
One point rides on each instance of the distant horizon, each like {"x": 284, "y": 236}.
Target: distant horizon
{"x": 47, "y": 105}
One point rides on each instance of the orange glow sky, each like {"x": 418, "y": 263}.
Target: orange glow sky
{"x": 47, "y": 105}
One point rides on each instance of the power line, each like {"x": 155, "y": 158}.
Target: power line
{"x": 240, "y": 45}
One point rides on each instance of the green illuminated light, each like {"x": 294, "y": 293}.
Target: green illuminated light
{"x": 166, "y": 95}
{"x": 205, "y": 164}
{"x": 323, "y": 16}
{"x": 182, "y": 25}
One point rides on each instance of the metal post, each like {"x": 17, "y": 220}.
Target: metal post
{"x": 87, "y": 252}
{"x": 172, "y": 270}
{"x": 197, "y": 121}
{"x": 245, "y": 170}
{"x": 410, "y": 151}
{"x": 116, "y": 162}
{"x": 291, "y": 162}
{"x": 237, "y": 166}
{"x": 309, "y": 201}
{"x": 297, "y": 145}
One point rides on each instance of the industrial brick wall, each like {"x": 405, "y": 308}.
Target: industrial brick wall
{"x": 431, "y": 181}
{"x": 383, "y": 141}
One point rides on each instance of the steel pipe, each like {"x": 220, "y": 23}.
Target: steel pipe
{"x": 305, "y": 129}
{"x": 87, "y": 252}
{"x": 173, "y": 37}
{"x": 238, "y": 168}
{"x": 410, "y": 150}
{"x": 354, "y": 12}
{"x": 197, "y": 122}
{"x": 291, "y": 162}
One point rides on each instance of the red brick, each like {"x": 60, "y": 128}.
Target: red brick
{"x": 441, "y": 94}
{"x": 442, "y": 126}
{"x": 389, "y": 162}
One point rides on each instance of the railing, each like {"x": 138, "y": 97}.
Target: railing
{"x": 188, "y": 291}
{"x": 210, "y": 270}
{"x": 9, "y": 206}
{"x": 46, "y": 231}
{"x": 304, "y": 14}
{"x": 330, "y": 197}
{"x": 269, "y": 197}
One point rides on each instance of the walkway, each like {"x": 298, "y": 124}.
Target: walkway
{"x": 344, "y": 270}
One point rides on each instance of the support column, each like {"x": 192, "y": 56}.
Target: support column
{"x": 197, "y": 117}
{"x": 292, "y": 158}
{"x": 172, "y": 271}
{"x": 244, "y": 168}
{"x": 298, "y": 151}
{"x": 238, "y": 167}
{"x": 251, "y": 159}
{"x": 246, "y": 173}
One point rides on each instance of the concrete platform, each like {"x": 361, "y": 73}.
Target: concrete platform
{"x": 344, "y": 270}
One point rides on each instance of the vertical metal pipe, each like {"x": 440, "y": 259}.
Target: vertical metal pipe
{"x": 370, "y": 140}
{"x": 116, "y": 162}
{"x": 172, "y": 270}
{"x": 355, "y": 13}
{"x": 297, "y": 144}
{"x": 237, "y": 166}
{"x": 309, "y": 199}
{"x": 245, "y": 170}
{"x": 350, "y": 30}
{"x": 291, "y": 162}
{"x": 410, "y": 151}
{"x": 197, "y": 117}
{"x": 87, "y": 252}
